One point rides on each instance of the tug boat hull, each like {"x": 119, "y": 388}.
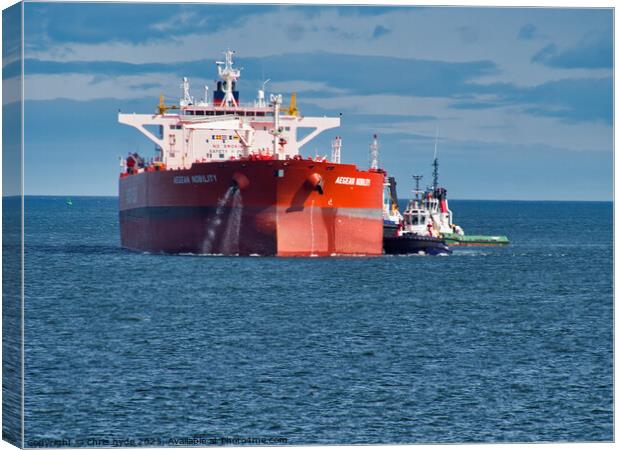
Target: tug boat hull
{"x": 415, "y": 244}
{"x": 293, "y": 207}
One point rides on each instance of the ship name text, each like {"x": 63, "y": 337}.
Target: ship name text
{"x": 184, "y": 179}
{"x": 353, "y": 181}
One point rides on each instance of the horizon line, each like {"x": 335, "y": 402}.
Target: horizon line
{"x": 452, "y": 199}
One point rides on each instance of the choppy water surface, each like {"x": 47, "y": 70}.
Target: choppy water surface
{"x": 492, "y": 344}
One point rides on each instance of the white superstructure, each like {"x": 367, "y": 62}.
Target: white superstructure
{"x": 427, "y": 213}
{"x": 225, "y": 129}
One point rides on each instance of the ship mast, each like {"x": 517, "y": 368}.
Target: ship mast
{"x": 336, "y": 147}
{"x": 229, "y": 75}
{"x": 436, "y": 164}
{"x": 435, "y": 174}
{"x": 374, "y": 153}
{"x": 187, "y": 98}
{"x": 276, "y": 101}
{"x": 417, "y": 191}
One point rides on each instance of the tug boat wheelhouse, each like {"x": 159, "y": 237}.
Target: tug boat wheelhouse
{"x": 228, "y": 178}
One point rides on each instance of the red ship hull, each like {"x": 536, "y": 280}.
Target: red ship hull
{"x": 245, "y": 207}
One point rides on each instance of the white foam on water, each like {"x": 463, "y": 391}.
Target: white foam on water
{"x": 463, "y": 252}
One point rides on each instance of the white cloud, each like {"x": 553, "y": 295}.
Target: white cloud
{"x": 179, "y": 20}
{"x": 434, "y": 34}
{"x": 304, "y": 86}
{"x": 85, "y": 87}
{"x": 504, "y": 125}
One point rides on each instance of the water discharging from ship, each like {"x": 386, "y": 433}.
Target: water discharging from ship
{"x": 230, "y": 241}
{"x": 216, "y": 222}
{"x": 312, "y": 229}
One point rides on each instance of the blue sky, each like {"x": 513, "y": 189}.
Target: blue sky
{"x": 522, "y": 97}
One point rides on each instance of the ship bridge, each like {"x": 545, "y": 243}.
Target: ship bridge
{"x": 225, "y": 129}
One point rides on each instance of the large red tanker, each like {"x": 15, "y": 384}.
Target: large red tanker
{"x": 228, "y": 179}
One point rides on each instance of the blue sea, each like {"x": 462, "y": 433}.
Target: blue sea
{"x": 485, "y": 345}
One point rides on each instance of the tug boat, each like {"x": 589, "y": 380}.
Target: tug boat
{"x": 414, "y": 232}
{"x": 432, "y": 207}
{"x": 436, "y": 202}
